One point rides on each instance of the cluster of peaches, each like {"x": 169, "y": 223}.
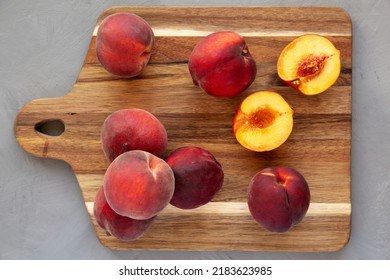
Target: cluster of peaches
{"x": 139, "y": 182}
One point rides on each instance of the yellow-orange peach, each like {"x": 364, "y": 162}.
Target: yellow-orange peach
{"x": 311, "y": 64}
{"x": 263, "y": 121}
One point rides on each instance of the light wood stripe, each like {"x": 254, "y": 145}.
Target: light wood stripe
{"x": 241, "y": 209}
{"x": 183, "y": 32}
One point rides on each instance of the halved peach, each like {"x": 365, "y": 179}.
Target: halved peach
{"x": 311, "y": 64}
{"x": 263, "y": 121}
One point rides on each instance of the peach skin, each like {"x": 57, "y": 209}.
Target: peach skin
{"x": 222, "y": 65}
{"x": 124, "y": 43}
{"x": 278, "y": 198}
{"x": 121, "y": 227}
{"x": 138, "y": 185}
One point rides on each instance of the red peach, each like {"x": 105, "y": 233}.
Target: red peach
{"x": 198, "y": 176}
{"x": 222, "y": 65}
{"x": 121, "y": 227}
{"x": 138, "y": 184}
{"x": 132, "y": 129}
{"x": 124, "y": 42}
{"x": 278, "y": 198}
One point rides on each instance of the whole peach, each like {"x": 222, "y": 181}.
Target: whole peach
{"x": 121, "y": 227}
{"x": 132, "y": 129}
{"x": 124, "y": 42}
{"x": 138, "y": 184}
{"x": 278, "y": 198}
{"x": 222, "y": 65}
{"x": 198, "y": 176}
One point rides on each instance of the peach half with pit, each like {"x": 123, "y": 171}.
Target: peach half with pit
{"x": 278, "y": 198}
{"x": 124, "y": 43}
{"x": 263, "y": 121}
{"x": 310, "y": 63}
{"x": 222, "y": 65}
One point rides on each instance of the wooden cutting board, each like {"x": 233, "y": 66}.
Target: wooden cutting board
{"x": 319, "y": 146}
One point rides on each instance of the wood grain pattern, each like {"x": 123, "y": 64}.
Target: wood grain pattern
{"x": 319, "y": 146}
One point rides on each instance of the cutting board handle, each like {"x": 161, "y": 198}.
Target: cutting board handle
{"x": 41, "y": 128}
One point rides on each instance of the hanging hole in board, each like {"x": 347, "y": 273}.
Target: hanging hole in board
{"x": 53, "y": 127}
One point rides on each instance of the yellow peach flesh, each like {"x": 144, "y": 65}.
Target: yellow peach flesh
{"x": 263, "y": 121}
{"x": 310, "y": 63}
